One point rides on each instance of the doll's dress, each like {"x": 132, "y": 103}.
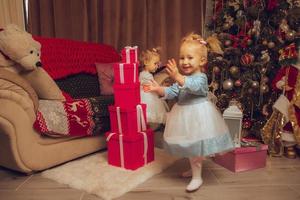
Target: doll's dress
{"x": 156, "y": 107}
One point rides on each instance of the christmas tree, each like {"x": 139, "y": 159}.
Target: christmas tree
{"x": 252, "y": 32}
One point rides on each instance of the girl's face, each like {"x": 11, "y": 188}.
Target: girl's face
{"x": 190, "y": 60}
{"x": 152, "y": 64}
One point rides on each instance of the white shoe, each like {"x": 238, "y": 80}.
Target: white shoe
{"x": 194, "y": 184}
{"x": 186, "y": 174}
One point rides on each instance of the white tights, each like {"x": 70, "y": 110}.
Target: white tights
{"x": 196, "y": 168}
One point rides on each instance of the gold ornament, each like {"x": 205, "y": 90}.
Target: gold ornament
{"x": 255, "y": 84}
{"x": 264, "y": 88}
{"x": 227, "y": 84}
{"x": 271, "y": 45}
{"x": 290, "y": 35}
{"x": 226, "y": 26}
{"x": 234, "y": 70}
{"x": 263, "y": 70}
{"x": 265, "y": 42}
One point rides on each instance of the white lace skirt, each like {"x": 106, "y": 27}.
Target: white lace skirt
{"x": 156, "y": 107}
{"x": 196, "y": 130}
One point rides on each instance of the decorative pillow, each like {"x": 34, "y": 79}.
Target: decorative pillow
{"x": 105, "y": 77}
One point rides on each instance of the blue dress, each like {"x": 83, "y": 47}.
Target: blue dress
{"x": 194, "y": 126}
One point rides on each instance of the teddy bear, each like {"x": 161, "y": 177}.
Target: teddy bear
{"x": 20, "y": 53}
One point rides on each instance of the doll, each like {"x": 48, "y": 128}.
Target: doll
{"x": 156, "y": 107}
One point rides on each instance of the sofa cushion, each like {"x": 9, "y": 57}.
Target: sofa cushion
{"x": 80, "y": 85}
{"x": 105, "y": 77}
{"x": 79, "y": 117}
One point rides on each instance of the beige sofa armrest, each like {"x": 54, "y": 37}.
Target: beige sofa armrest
{"x": 15, "y": 88}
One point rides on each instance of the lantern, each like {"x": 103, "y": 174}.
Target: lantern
{"x": 233, "y": 117}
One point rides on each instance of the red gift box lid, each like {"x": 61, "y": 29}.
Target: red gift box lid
{"x": 127, "y": 85}
{"x": 113, "y": 108}
{"x": 241, "y": 150}
{"x": 129, "y": 138}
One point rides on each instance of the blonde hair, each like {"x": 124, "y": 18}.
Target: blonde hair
{"x": 147, "y": 55}
{"x": 212, "y": 43}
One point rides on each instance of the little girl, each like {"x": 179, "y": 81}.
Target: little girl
{"x": 156, "y": 107}
{"x": 194, "y": 127}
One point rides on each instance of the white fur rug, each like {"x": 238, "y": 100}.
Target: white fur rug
{"x": 93, "y": 174}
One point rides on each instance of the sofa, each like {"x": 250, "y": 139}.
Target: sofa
{"x": 72, "y": 65}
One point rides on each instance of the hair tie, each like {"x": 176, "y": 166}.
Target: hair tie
{"x": 202, "y": 41}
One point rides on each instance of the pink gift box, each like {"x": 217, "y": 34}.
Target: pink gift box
{"x": 127, "y": 95}
{"x": 126, "y": 73}
{"x": 137, "y": 150}
{"x": 243, "y": 158}
{"x": 129, "y": 121}
{"x": 129, "y": 54}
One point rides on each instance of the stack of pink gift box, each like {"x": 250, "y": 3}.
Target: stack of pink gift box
{"x": 130, "y": 142}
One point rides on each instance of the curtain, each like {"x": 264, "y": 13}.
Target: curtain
{"x": 11, "y": 12}
{"x": 72, "y": 19}
{"x": 151, "y": 23}
{"x": 145, "y": 23}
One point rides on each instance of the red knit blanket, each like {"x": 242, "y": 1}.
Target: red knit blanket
{"x": 70, "y": 118}
{"x": 64, "y": 57}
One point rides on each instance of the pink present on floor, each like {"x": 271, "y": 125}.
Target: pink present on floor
{"x": 127, "y": 95}
{"x": 126, "y": 73}
{"x": 130, "y": 151}
{"x": 243, "y": 158}
{"x": 129, "y": 54}
{"x": 127, "y": 120}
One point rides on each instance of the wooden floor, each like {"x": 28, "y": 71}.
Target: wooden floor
{"x": 280, "y": 180}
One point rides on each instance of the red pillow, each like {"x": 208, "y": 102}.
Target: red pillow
{"x": 106, "y": 78}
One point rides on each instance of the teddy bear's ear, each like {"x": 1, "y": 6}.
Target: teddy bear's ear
{"x": 36, "y": 44}
{"x": 12, "y": 28}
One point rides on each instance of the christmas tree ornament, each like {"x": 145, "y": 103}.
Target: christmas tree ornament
{"x": 247, "y": 123}
{"x": 249, "y": 42}
{"x": 255, "y": 84}
{"x": 290, "y": 35}
{"x": 265, "y": 42}
{"x": 263, "y": 70}
{"x": 226, "y": 26}
{"x": 271, "y": 45}
{"x": 234, "y": 70}
{"x": 264, "y": 79}
{"x": 250, "y": 90}
{"x": 265, "y": 57}
{"x": 238, "y": 83}
{"x": 239, "y": 13}
{"x": 247, "y": 59}
{"x": 216, "y": 70}
{"x": 264, "y": 88}
{"x": 227, "y": 43}
{"x": 227, "y": 84}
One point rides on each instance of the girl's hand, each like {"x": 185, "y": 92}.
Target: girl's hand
{"x": 173, "y": 72}
{"x": 172, "y": 69}
{"x": 150, "y": 87}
